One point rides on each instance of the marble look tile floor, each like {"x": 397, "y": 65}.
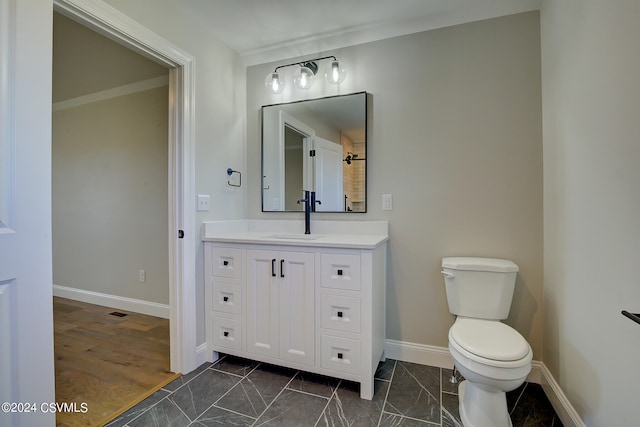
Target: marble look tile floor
{"x": 240, "y": 392}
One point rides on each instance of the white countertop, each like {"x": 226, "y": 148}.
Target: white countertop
{"x": 334, "y": 234}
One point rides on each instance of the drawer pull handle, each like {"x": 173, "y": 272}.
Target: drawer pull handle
{"x": 225, "y": 263}
{"x": 339, "y": 314}
{"x": 225, "y": 333}
{"x": 273, "y": 267}
{"x": 281, "y": 268}
{"x": 225, "y": 299}
{"x": 339, "y": 355}
{"x": 340, "y": 272}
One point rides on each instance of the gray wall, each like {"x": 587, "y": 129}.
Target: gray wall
{"x": 591, "y": 105}
{"x": 110, "y": 173}
{"x": 110, "y": 196}
{"x": 86, "y": 62}
{"x": 219, "y": 119}
{"x": 456, "y": 138}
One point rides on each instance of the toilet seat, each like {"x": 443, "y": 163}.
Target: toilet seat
{"x": 489, "y": 342}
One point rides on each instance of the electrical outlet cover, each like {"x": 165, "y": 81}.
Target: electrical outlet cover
{"x": 203, "y": 202}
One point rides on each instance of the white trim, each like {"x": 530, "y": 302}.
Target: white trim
{"x": 418, "y": 353}
{"x": 535, "y": 376}
{"x": 202, "y": 354}
{"x": 565, "y": 410}
{"x": 111, "y": 23}
{"x": 441, "y": 357}
{"x": 370, "y": 32}
{"x": 112, "y": 93}
{"x": 106, "y": 300}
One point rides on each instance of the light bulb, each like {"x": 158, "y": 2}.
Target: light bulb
{"x": 335, "y": 73}
{"x": 303, "y": 78}
{"x": 274, "y": 82}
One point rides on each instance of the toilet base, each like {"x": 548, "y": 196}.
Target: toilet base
{"x": 482, "y": 408}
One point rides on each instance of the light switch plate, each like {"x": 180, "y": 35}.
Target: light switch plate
{"x": 387, "y": 202}
{"x": 203, "y": 202}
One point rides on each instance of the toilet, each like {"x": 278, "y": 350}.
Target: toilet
{"x": 492, "y": 357}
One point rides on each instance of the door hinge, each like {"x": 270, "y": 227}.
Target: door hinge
{"x": 312, "y": 153}
{"x": 180, "y": 234}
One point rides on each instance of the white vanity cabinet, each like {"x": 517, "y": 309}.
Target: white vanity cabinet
{"x": 224, "y": 303}
{"x": 313, "y": 305}
{"x": 280, "y": 305}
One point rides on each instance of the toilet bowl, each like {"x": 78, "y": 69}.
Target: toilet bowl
{"x": 493, "y": 358}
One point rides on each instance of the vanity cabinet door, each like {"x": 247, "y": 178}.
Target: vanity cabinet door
{"x": 297, "y": 300}
{"x": 262, "y": 303}
{"x": 280, "y": 305}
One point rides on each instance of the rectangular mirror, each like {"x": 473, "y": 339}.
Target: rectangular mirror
{"x": 315, "y": 145}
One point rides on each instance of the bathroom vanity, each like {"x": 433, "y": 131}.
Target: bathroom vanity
{"x": 311, "y": 302}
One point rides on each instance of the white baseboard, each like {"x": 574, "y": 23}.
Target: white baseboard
{"x": 106, "y": 300}
{"x": 567, "y": 413}
{"x": 441, "y": 358}
{"x": 418, "y": 353}
{"x": 202, "y": 354}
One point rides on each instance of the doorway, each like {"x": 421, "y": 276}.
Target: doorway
{"x": 181, "y": 213}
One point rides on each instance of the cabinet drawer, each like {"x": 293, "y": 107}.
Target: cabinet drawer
{"x": 341, "y": 354}
{"x": 340, "y": 313}
{"x": 227, "y": 298}
{"x": 340, "y": 271}
{"x": 227, "y": 262}
{"x": 227, "y": 332}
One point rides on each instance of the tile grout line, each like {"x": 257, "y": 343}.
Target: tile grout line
{"x": 384, "y": 402}
{"x": 183, "y": 413}
{"x": 169, "y": 393}
{"x": 518, "y": 399}
{"x": 208, "y": 368}
{"x": 420, "y": 420}
{"x": 335, "y": 391}
{"x": 228, "y": 391}
{"x": 441, "y": 401}
{"x": 308, "y": 393}
{"x": 275, "y": 398}
{"x": 174, "y": 391}
{"x": 230, "y": 410}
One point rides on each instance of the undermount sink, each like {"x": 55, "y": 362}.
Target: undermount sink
{"x": 295, "y": 236}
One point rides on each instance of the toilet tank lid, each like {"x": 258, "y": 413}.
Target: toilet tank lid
{"x": 480, "y": 264}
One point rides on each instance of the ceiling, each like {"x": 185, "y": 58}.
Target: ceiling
{"x": 268, "y": 30}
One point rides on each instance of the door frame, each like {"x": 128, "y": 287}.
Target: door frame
{"x": 113, "y": 24}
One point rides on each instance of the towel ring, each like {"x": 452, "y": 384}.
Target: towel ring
{"x": 231, "y": 172}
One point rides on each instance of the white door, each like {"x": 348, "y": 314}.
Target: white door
{"x": 262, "y": 302}
{"x": 26, "y": 311}
{"x": 328, "y": 171}
{"x": 296, "y": 307}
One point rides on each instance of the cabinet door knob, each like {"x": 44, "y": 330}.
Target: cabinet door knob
{"x": 225, "y": 333}
{"x": 225, "y": 263}
{"x": 225, "y": 299}
{"x": 340, "y": 272}
{"x": 339, "y": 314}
{"x": 339, "y": 355}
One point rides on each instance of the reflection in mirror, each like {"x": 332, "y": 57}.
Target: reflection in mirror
{"x": 315, "y": 145}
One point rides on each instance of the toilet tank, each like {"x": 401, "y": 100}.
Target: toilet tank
{"x": 480, "y": 288}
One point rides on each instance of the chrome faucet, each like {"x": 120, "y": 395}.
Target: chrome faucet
{"x": 309, "y": 206}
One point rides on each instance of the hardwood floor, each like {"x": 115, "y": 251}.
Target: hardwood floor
{"x": 108, "y": 362}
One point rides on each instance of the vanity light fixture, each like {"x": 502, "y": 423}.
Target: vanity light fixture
{"x": 304, "y": 76}
{"x": 275, "y": 82}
